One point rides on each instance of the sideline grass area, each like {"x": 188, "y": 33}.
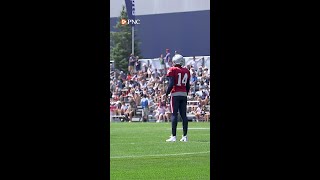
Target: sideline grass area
{"x": 139, "y": 151}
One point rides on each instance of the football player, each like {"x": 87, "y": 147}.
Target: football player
{"x": 178, "y": 88}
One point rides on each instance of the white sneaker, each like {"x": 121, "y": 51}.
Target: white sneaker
{"x": 184, "y": 139}
{"x": 172, "y": 139}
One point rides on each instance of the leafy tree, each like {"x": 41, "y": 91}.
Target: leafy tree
{"x": 120, "y": 43}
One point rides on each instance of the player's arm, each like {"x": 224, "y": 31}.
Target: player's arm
{"x": 188, "y": 83}
{"x": 170, "y": 78}
{"x": 188, "y": 86}
{"x": 170, "y": 86}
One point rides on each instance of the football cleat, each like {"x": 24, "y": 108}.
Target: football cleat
{"x": 184, "y": 139}
{"x": 171, "y": 139}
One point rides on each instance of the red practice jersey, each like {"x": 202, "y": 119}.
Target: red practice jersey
{"x": 181, "y": 76}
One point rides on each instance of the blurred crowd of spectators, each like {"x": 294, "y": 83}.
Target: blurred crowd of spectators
{"x": 129, "y": 90}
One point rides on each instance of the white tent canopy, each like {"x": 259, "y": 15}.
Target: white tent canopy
{"x": 155, "y": 63}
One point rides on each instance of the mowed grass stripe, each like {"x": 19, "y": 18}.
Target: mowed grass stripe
{"x": 139, "y": 151}
{"x": 174, "y": 167}
{"x": 158, "y": 155}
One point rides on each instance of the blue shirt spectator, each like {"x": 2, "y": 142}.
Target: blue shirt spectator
{"x": 144, "y": 102}
{"x": 193, "y": 79}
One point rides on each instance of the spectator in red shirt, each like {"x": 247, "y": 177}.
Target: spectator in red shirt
{"x": 129, "y": 76}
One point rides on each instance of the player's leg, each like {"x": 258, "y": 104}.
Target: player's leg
{"x": 174, "y": 105}
{"x": 183, "y": 114}
{"x": 174, "y": 116}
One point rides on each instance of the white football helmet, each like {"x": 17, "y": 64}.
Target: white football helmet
{"x": 178, "y": 59}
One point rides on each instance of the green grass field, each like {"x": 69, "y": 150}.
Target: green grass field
{"x": 139, "y": 151}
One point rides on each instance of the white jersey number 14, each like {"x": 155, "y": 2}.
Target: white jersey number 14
{"x": 184, "y": 80}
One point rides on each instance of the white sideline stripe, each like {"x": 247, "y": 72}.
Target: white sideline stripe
{"x": 194, "y": 128}
{"x": 156, "y": 142}
{"x": 158, "y": 155}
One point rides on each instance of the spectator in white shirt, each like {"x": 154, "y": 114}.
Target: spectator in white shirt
{"x": 160, "y": 115}
{"x": 149, "y": 71}
{"x": 198, "y": 113}
{"x": 143, "y": 84}
{"x": 155, "y": 73}
{"x": 194, "y": 63}
{"x": 123, "y": 108}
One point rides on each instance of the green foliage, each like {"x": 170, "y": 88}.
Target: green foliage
{"x": 120, "y": 43}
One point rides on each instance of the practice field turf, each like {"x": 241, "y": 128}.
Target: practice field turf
{"x": 139, "y": 151}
